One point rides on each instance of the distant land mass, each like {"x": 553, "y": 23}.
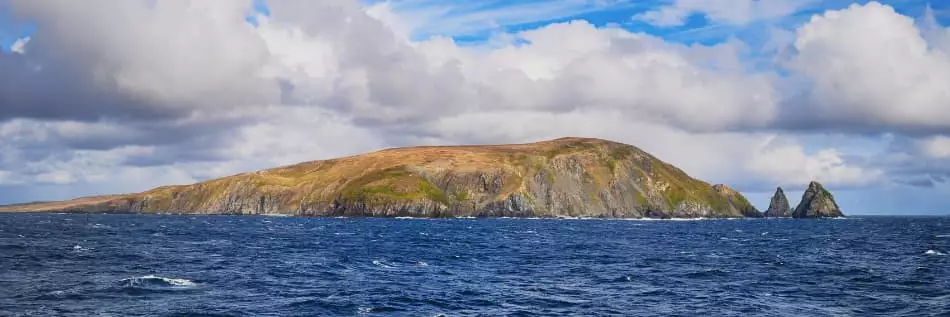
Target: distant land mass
{"x": 566, "y": 177}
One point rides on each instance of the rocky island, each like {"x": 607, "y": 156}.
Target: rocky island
{"x": 778, "y": 206}
{"x": 817, "y": 203}
{"x": 567, "y": 177}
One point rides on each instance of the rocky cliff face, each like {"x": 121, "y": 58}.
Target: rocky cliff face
{"x": 570, "y": 177}
{"x": 779, "y": 206}
{"x": 817, "y": 203}
{"x": 736, "y": 199}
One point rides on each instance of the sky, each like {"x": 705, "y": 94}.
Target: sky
{"x": 754, "y": 94}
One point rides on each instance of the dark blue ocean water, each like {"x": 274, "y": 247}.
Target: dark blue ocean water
{"x": 154, "y": 265}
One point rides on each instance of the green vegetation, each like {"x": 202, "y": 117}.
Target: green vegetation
{"x": 461, "y": 195}
{"x": 432, "y": 192}
{"x": 394, "y": 184}
{"x": 620, "y": 152}
{"x": 575, "y": 146}
{"x": 640, "y": 199}
{"x": 826, "y": 192}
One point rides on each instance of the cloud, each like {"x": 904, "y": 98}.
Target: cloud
{"x": 937, "y": 147}
{"x": 19, "y": 46}
{"x": 179, "y": 91}
{"x": 869, "y": 68}
{"x": 789, "y": 165}
{"x": 721, "y": 11}
{"x": 169, "y": 56}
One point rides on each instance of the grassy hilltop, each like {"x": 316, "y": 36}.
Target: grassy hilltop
{"x": 574, "y": 177}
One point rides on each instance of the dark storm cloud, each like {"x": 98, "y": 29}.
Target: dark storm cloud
{"x": 54, "y": 91}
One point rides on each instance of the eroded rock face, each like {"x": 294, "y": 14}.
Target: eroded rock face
{"x": 568, "y": 177}
{"x": 736, "y": 199}
{"x": 817, "y": 203}
{"x": 779, "y": 206}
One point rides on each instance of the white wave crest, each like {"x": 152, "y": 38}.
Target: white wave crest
{"x": 934, "y": 252}
{"x": 152, "y": 280}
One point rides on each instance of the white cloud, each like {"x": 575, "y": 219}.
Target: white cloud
{"x": 174, "y": 53}
{"x": 936, "y": 147}
{"x": 19, "y": 46}
{"x": 721, "y": 11}
{"x": 319, "y": 79}
{"x": 316, "y": 134}
{"x": 788, "y": 164}
{"x": 870, "y": 66}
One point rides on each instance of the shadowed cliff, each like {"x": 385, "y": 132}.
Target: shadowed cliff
{"x": 568, "y": 177}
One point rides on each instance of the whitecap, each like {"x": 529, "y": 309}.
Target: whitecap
{"x": 151, "y": 281}
{"x": 942, "y": 236}
{"x": 934, "y": 252}
{"x": 382, "y": 264}
{"x": 366, "y": 310}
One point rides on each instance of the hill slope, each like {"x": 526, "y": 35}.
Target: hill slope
{"x": 571, "y": 177}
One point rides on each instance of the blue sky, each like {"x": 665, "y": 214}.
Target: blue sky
{"x": 475, "y": 22}
{"x": 865, "y": 144}
{"x": 698, "y": 29}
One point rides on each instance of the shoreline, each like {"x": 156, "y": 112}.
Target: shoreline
{"x": 277, "y": 215}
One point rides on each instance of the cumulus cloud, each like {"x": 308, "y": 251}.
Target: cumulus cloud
{"x": 869, "y": 68}
{"x": 175, "y": 55}
{"x": 179, "y": 91}
{"x": 790, "y": 165}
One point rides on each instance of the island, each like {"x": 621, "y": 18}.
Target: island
{"x": 566, "y": 177}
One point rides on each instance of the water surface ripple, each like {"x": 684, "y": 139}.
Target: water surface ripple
{"x": 163, "y": 265}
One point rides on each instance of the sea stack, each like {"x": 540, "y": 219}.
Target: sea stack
{"x": 779, "y": 207}
{"x": 817, "y": 203}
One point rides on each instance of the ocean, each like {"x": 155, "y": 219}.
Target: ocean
{"x": 183, "y": 265}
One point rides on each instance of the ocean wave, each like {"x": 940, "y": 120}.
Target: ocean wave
{"x": 934, "y": 252}
{"x": 152, "y": 281}
{"x": 383, "y": 264}
{"x": 366, "y": 310}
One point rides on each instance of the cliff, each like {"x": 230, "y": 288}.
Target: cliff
{"x": 817, "y": 203}
{"x": 738, "y": 201}
{"x": 572, "y": 177}
{"x": 779, "y": 206}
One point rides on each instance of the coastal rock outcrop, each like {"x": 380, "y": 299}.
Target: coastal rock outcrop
{"x": 778, "y": 206}
{"x": 736, "y": 199}
{"x": 817, "y": 203}
{"x": 567, "y": 177}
